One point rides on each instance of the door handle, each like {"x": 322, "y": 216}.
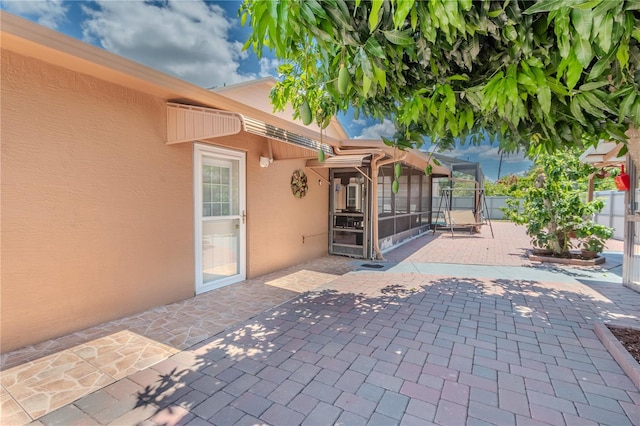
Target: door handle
{"x": 244, "y": 216}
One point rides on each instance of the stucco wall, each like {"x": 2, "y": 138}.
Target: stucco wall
{"x": 97, "y": 212}
{"x": 276, "y": 220}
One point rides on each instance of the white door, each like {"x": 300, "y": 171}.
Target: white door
{"x": 220, "y": 234}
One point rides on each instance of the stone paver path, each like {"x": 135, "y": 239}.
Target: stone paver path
{"x": 401, "y": 349}
{"x": 41, "y": 378}
{"x": 413, "y": 343}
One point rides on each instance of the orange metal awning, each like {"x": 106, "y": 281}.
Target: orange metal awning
{"x": 186, "y": 123}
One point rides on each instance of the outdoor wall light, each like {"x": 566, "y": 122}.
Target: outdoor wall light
{"x": 264, "y": 161}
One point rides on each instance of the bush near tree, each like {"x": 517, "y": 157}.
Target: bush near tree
{"x": 516, "y": 185}
{"x": 554, "y": 208}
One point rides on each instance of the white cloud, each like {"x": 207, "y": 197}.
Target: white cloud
{"x": 49, "y": 13}
{"x": 386, "y": 129}
{"x": 359, "y": 122}
{"x": 188, "y": 39}
{"x": 269, "y": 67}
{"x": 484, "y": 152}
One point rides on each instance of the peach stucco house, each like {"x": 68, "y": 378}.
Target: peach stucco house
{"x": 124, "y": 188}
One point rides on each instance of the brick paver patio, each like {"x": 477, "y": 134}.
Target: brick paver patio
{"x": 412, "y": 343}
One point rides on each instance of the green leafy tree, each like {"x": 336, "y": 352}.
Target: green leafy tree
{"x": 537, "y": 75}
{"x": 554, "y": 207}
{"x": 498, "y": 188}
{"x": 516, "y": 186}
{"x": 512, "y": 185}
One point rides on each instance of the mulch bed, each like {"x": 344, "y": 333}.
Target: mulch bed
{"x": 630, "y": 339}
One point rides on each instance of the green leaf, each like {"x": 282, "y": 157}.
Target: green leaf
{"x": 315, "y": 7}
{"x": 283, "y": 15}
{"x": 594, "y": 100}
{"x": 586, "y": 106}
{"x": 306, "y": 13}
{"x": 457, "y": 77}
{"x": 632, "y": 5}
{"x": 442, "y": 113}
{"x": 588, "y": 4}
{"x": 574, "y": 106}
{"x": 623, "y": 151}
{"x": 582, "y": 49}
{"x": 452, "y": 125}
{"x": 455, "y": 20}
{"x": 402, "y": 10}
{"x": 621, "y": 93}
{"x": 470, "y": 119}
{"x": 373, "y": 48}
{"x": 527, "y": 81}
{"x": 601, "y": 66}
{"x": 366, "y": 85}
{"x": 344, "y": 9}
{"x": 594, "y": 85}
{"x": 510, "y": 33}
{"x": 583, "y": 22}
{"x": 606, "y": 6}
{"x": 539, "y": 75}
{"x": 604, "y": 33}
{"x": 623, "y": 55}
{"x": 321, "y": 34}
{"x": 535, "y": 62}
{"x": 490, "y": 91}
{"x": 365, "y": 63}
{"x": 574, "y": 71}
{"x": 548, "y": 5}
{"x": 340, "y": 19}
{"x": 388, "y": 142}
{"x": 428, "y": 170}
{"x": 374, "y": 17}
{"x": 272, "y": 6}
{"x": 625, "y": 106}
{"x": 511, "y": 83}
{"x": 414, "y": 18}
{"x": 544, "y": 98}
{"x": 400, "y": 38}
{"x": 615, "y": 132}
{"x": 450, "y": 98}
{"x": 381, "y": 76}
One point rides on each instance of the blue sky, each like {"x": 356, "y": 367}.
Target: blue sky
{"x": 201, "y": 42}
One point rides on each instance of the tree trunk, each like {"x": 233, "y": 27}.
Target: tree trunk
{"x": 557, "y": 244}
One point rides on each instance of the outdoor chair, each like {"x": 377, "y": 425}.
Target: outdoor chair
{"x": 462, "y": 219}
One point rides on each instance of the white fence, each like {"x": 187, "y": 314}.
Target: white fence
{"x": 612, "y": 214}
{"x": 494, "y": 204}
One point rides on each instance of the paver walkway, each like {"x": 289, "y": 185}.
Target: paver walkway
{"x": 411, "y": 343}
{"x": 41, "y": 378}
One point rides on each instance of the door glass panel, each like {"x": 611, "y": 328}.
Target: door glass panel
{"x": 220, "y": 220}
{"x": 220, "y": 249}
{"x": 220, "y": 196}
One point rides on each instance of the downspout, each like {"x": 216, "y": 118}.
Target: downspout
{"x": 375, "y": 167}
{"x": 478, "y": 200}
